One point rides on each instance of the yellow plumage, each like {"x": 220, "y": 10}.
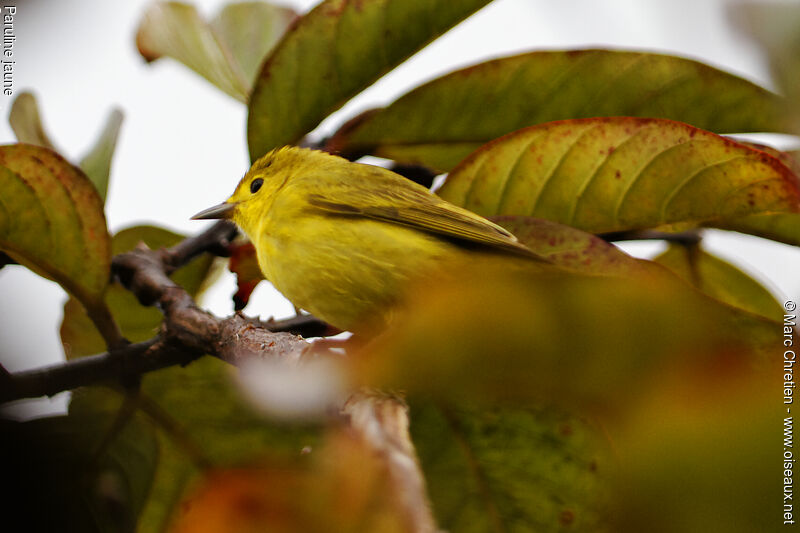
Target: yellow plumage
{"x": 343, "y": 240}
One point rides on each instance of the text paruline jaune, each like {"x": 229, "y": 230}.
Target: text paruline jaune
{"x": 9, "y": 39}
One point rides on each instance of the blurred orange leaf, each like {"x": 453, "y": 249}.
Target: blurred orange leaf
{"x": 341, "y": 487}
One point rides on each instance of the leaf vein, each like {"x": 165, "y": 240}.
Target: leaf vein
{"x": 680, "y": 186}
{"x": 638, "y": 174}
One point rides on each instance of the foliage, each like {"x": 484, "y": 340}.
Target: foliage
{"x": 614, "y": 393}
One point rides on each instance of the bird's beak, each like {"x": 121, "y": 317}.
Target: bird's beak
{"x": 223, "y": 210}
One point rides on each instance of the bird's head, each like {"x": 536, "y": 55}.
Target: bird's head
{"x": 257, "y": 189}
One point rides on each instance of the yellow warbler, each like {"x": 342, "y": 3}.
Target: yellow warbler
{"x": 343, "y": 240}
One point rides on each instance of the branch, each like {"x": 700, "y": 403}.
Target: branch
{"x": 53, "y": 379}
{"x": 231, "y": 339}
{"x": 187, "y": 332}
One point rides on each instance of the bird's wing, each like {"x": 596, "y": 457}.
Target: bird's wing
{"x": 418, "y": 208}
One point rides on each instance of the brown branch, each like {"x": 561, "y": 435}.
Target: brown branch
{"x": 187, "y": 332}
{"x": 181, "y": 342}
{"x": 101, "y": 368}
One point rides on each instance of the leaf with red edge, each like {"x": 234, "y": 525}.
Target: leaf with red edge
{"x": 620, "y": 173}
{"x": 571, "y": 248}
{"x": 781, "y": 227}
{"x": 441, "y": 122}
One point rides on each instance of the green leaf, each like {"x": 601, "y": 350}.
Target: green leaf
{"x": 26, "y": 121}
{"x": 512, "y": 469}
{"x": 619, "y": 173}
{"x": 58, "y": 479}
{"x": 443, "y": 121}
{"x": 97, "y": 163}
{"x": 721, "y": 280}
{"x": 137, "y": 322}
{"x": 226, "y": 51}
{"x": 781, "y": 227}
{"x": 250, "y": 30}
{"x": 334, "y": 52}
{"x": 52, "y": 221}
{"x": 221, "y": 427}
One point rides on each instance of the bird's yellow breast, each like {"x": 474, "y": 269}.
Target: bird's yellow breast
{"x": 347, "y": 271}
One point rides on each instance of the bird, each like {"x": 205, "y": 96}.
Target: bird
{"x": 344, "y": 240}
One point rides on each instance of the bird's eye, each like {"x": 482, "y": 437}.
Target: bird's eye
{"x": 257, "y": 183}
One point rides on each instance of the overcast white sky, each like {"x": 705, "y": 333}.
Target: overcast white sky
{"x": 182, "y": 146}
